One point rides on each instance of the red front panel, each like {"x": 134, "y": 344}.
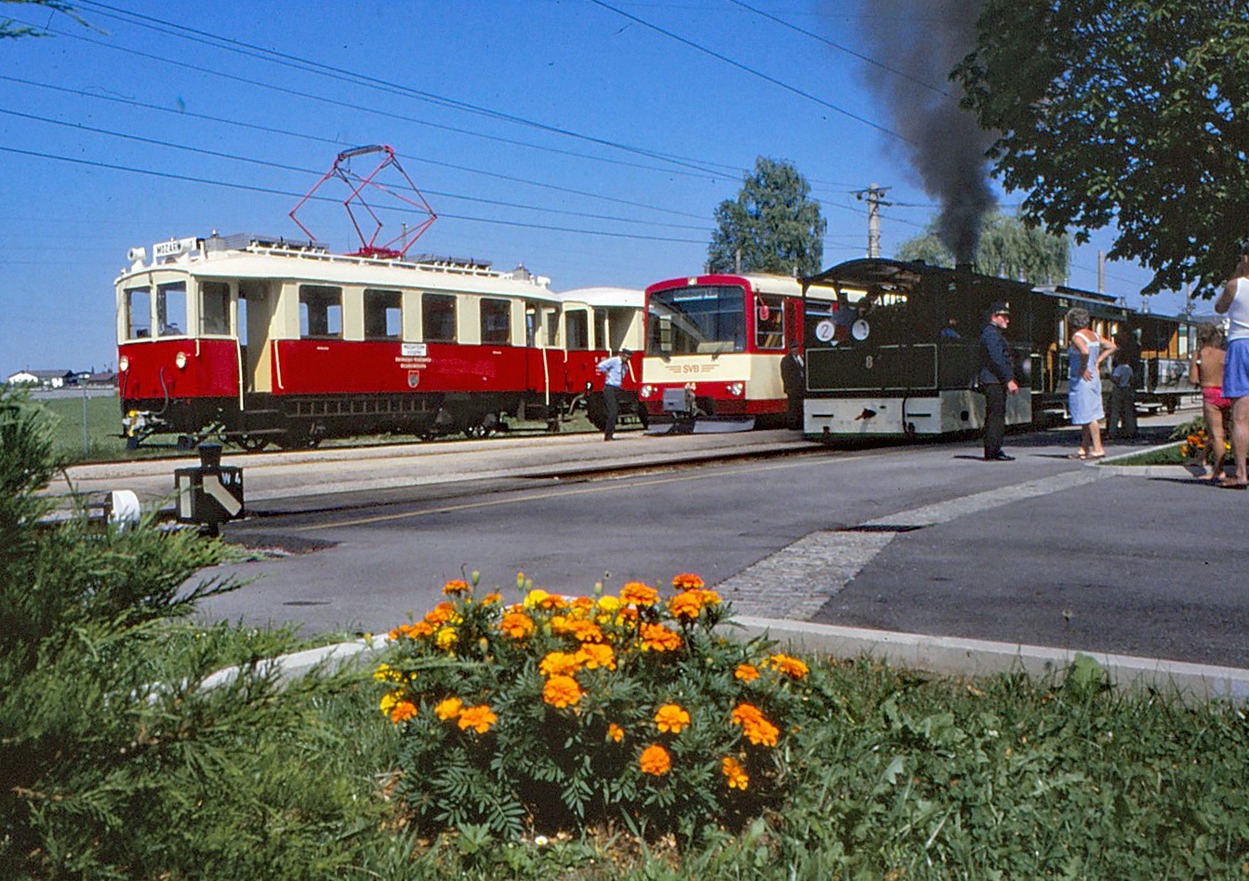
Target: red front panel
{"x": 211, "y": 369}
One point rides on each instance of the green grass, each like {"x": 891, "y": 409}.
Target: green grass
{"x": 1170, "y": 455}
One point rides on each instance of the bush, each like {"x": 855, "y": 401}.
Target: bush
{"x": 559, "y": 713}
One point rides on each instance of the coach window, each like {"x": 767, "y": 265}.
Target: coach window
{"x": 438, "y": 318}
{"x": 769, "y": 322}
{"x": 214, "y": 312}
{"x": 138, "y": 313}
{"x": 171, "y": 309}
{"x": 496, "y": 321}
{"x": 320, "y": 311}
{"x": 577, "y": 329}
{"x": 383, "y": 315}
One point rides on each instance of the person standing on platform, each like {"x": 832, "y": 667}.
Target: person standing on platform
{"x": 997, "y": 380}
{"x": 1122, "y": 421}
{"x": 794, "y": 381}
{"x": 1234, "y": 303}
{"x": 613, "y": 370}
{"x": 1084, "y": 381}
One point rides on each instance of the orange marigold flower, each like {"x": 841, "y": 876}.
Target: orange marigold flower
{"x": 746, "y": 672}
{"x": 491, "y": 598}
{"x": 657, "y": 638}
{"x": 421, "y": 628}
{"x": 687, "y": 581}
{"x": 755, "y": 727}
{"x": 448, "y": 709}
{"x": 582, "y": 604}
{"x": 655, "y": 760}
{"x": 615, "y": 732}
{"x": 559, "y": 664}
{"x": 685, "y": 606}
{"x": 670, "y": 718}
{"x": 791, "y": 667}
{"x": 636, "y": 593}
{"x": 593, "y": 655}
{"x": 586, "y": 631}
{"x": 709, "y": 597}
{"x": 561, "y": 691}
{"x": 734, "y": 773}
{"x": 479, "y": 718}
{"x": 441, "y": 614}
{"x": 455, "y": 588}
{"x": 517, "y": 625}
{"x": 402, "y": 711}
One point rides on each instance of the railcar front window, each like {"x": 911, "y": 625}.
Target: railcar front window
{"x": 383, "y": 315}
{"x": 138, "y": 313}
{"x": 496, "y": 325}
{"x": 214, "y": 308}
{"x": 438, "y": 318}
{"x": 702, "y": 319}
{"x": 171, "y": 309}
{"x": 320, "y": 311}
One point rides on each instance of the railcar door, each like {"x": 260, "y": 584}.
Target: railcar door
{"x": 255, "y": 312}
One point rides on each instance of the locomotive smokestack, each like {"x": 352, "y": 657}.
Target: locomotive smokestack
{"x": 945, "y": 143}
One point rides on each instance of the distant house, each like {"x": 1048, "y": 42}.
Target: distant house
{"x": 42, "y": 378}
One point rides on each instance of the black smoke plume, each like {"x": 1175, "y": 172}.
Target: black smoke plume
{"x": 919, "y": 44}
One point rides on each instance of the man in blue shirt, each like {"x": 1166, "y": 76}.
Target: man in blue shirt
{"x": 997, "y": 380}
{"x": 613, "y": 369}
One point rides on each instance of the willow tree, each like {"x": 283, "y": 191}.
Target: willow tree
{"x": 1008, "y": 248}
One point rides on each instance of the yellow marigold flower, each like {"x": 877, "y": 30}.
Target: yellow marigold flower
{"x": 657, "y": 638}
{"x": 559, "y": 664}
{"x": 746, "y": 672}
{"x": 387, "y": 673}
{"x": 709, "y": 597}
{"x": 791, "y": 667}
{"x": 479, "y": 718}
{"x": 517, "y": 625}
{"x": 670, "y": 718}
{"x": 655, "y": 760}
{"x": 685, "y": 606}
{"x": 609, "y": 604}
{"x": 491, "y": 598}
{"x": 615, "y": 732}
{"x": 734, "y": 773}
{"x": 635, "y": 593}
{"x": 534, "y": 598}
{"x": 448, "y": 709}
{"x": 755, "y": 727}
{"x": 561, "y": 691}
{"x": 402, "y": 711}
{"x": 687, "y": 581}
{"x": 446, "y": 637}
{"x": 593, "y": 655}
{"x": 389, "y": 699}
{"x": 455, "y": 588}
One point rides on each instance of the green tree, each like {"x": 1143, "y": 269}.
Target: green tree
{"x": 772, "y": 224}
{"x": 1126, "y": 112}
{"x": 1008, "y": 248}
{"x": 14, "y": 29}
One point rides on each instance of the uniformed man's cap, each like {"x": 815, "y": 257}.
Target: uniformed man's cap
{"x": 1001, "y": 307}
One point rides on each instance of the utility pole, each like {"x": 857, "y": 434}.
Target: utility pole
{"x": 875, "y": 198}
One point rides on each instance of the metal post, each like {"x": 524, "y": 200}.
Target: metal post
{"x": 86, "y": 438}
{"x": 875, "y": 198}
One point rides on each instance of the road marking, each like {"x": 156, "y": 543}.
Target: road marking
{"x": 796, "y": 581}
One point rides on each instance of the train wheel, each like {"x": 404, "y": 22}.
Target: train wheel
{"x": 251, "y": 443}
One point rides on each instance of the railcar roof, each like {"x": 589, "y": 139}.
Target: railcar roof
{"x": 605, "y": 296}
{"x": 759, "y": 281}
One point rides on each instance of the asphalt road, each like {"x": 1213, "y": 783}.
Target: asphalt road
{"x": 925, "y": 539}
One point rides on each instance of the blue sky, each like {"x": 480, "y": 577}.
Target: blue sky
{"x": 590, "y": 140}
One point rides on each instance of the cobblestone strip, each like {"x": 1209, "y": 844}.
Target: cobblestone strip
{"x": 795, "y": 582}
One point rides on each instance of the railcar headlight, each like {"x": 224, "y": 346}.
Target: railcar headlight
{"x": 736, "y": 389}
{"x": 180, "y": 360}
{"x": 648, "y": 391}
{"x": 123, "y": 363}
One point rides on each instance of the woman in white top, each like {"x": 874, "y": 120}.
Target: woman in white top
{"x": 1234, "y": 302}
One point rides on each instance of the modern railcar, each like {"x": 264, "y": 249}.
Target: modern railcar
{"x": 714, "y": 345}
{"x": 257, "y": 340}
{"x": 898, "y": 353}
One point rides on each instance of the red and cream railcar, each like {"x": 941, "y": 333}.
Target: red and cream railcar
{"x": 256, "y": 340}
{"x": 714, "y": 345}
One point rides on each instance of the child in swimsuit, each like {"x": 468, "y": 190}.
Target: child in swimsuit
{"x": 1206, "y": 370}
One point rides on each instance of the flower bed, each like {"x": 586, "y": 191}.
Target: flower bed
{"x": 558, "y": 712}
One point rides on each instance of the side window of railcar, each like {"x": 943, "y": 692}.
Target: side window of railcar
{"x": 577, "y": 329}
{"x": 383, "y": 314}
{"x": 171, "y": 309}
{"x": 438, "y": 318}
{"x": 320, "y": 311}
{"x": 138, "y": 313}
{"x": 769, "y": 322}
{"x": 214, "y": 308}
{"x": 496, "y": 321}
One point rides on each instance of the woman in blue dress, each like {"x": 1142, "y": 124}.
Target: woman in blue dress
{"x": 1084, "y": 396}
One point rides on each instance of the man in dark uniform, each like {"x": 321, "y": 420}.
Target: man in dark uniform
{"x": 997, "y": 380}
{"x": 794, "y": 381}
